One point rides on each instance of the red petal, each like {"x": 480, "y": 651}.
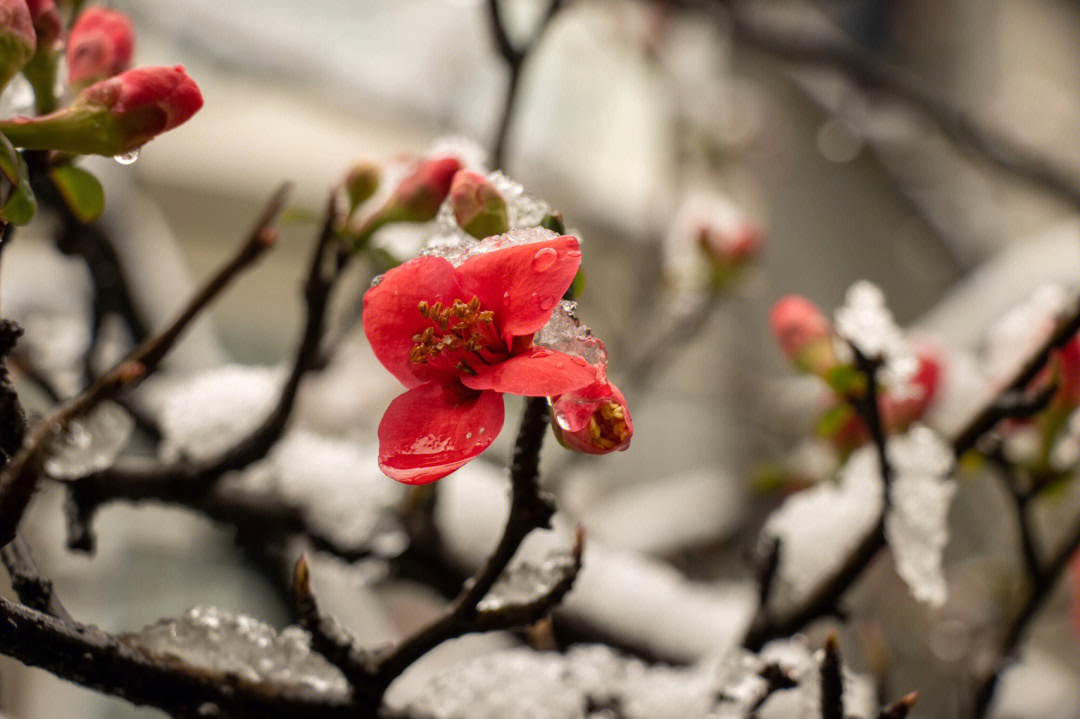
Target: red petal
{"x": 537, "y": 372}
{"x": 523, "y": 283}
{"x": 391, "y": 317}
{"x": 433, "y": 429}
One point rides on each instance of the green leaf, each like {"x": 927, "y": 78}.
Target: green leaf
{"x": 81, "y": 192}
{"x": 21, "y": 206}
{"x": 577, "y": 286}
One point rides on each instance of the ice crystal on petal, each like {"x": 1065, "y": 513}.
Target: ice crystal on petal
{"x": 243, "y": 647}
{"x": 917, "y": 523}
{"x": 212, "y": 410}
{"x": 865, "y": 321}
{"x": 90, "y": 443}
{"x": 564, "y": 332}
{"x": 820, "y": 526}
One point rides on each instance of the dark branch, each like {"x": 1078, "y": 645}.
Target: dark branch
{"x": 529, "y": 509}
{"x": 871, "y": 71}
{"x": 832, "y": 681}
{"x": 33, "y": 588}
{"x": 191, "y": 482}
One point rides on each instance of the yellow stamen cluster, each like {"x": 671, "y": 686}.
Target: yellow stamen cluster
{"x": 458, "y": 327}
{"x": 607, "y": 426}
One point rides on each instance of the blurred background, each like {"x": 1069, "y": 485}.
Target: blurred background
{"x": 623, "y": 110}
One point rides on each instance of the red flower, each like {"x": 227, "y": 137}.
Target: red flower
{"x": 100, "y": 46}
{"x": 593, "y": 419}
{"x": 459, "y": 337}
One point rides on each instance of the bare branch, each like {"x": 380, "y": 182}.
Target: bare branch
{"x": 33, "y": 588}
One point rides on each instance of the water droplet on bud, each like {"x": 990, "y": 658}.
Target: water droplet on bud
{"x": 544, "y": 259}
{"x": 127, "y": 158}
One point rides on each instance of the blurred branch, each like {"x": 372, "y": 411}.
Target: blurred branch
{"x": 866, "y": 68}
{"x": 776, "y": 679}
{"x": 191, "y": 482}
{"x": 515, "y": 59}
{"x": 832, "y": 681}
{"x": 18, "y": 479}
{"x": 678, "y": 332}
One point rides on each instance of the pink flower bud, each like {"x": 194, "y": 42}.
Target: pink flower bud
{"x": 17, "y": 38}
{"x": 114, "y": 116}
{"x": 732, "y": 244}
{"x": 47, "y": 22}
{"x": 419, "y": 195}
{"x": 898, "y": 413}
{"x": 1068, "y": 366}
{"x": 804, "y": 334}
{"x": 593, "y": 420}
{"x": 100, "y": 46}
{"x": 479, "y": 208}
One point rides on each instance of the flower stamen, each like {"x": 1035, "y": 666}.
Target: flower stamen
{"x": 460, "y": 327}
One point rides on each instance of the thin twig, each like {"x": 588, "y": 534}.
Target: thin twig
{"x": 899, "y": 709}
{"x": 776, "y": 679}
{"x": 515, "y": 60}
{"x": 678, "y": 332}
{"x": 868, "y": 69}
{"x": 190, "y": 481}
{"x": 832, "y": 681}
{"x": 529, "y": 509}
{"x": 18, "y": 479}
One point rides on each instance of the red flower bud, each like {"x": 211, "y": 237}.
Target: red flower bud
{"x": 804, "y": 334}
{"x": 479, "y": 208}
{"x": 419, "y": 195}
{"x": 114, "y": 116}
{"x": 17, "y": 38}
{"x": 593, "y": 420}
{"x": 100, "y": 46}
{"x": 898, "y": 413}
{"x": 47, "y": 22}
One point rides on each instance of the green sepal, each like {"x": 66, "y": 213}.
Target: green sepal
{"x": 577, "y": 286}
{"x": 832, "y": 420}
{"x": 21, "y": 204}
{"x": 81, "y": 192}
{"x": 845, "y": 379}
{"x": 554, "y": 222}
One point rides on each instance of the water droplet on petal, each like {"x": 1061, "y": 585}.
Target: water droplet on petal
{"x": 580, "y": 361}
{"x": 546, "y": 303}
{"x": 483, "y": 429}
{"x": 468, "y": 435}
{"x": 542, "y": 353}
{"x": 506, "y": 299}
{"x": 573, "y": 253}
{"x": 544, "y": 258}
{"x": 127, "y": 158}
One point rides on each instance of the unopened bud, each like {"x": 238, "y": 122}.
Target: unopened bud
{"x": 899, "y": 412}
{"x": 17, "y": 38}
{"x": 804, "y": 333}
{"x": 593, "y": 420}
{"x": 100, "y": 46}
{"x": 416, "y": 199}
{"x": 114, "y": 116}
{"x": 361, "y": 183}
{"x": 479, "y": 208}
{"x": 48, "y": 25}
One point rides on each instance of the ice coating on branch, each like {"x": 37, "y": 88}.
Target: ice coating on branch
{"x": 865, "y": 321}
{"x": 337, "y": 485}
{"x": 91, "y": 443}
{"x": 564, "y": 332}
{"x": 1013, "y": 337}
{"x": 820, "y": 526}
{"x": 595, "y": 681}
{"x": 243, "y": 647}
{"x": 527, "y": 581}
{"x": 212, "y": 410}
{"x": 916, "y": 526}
